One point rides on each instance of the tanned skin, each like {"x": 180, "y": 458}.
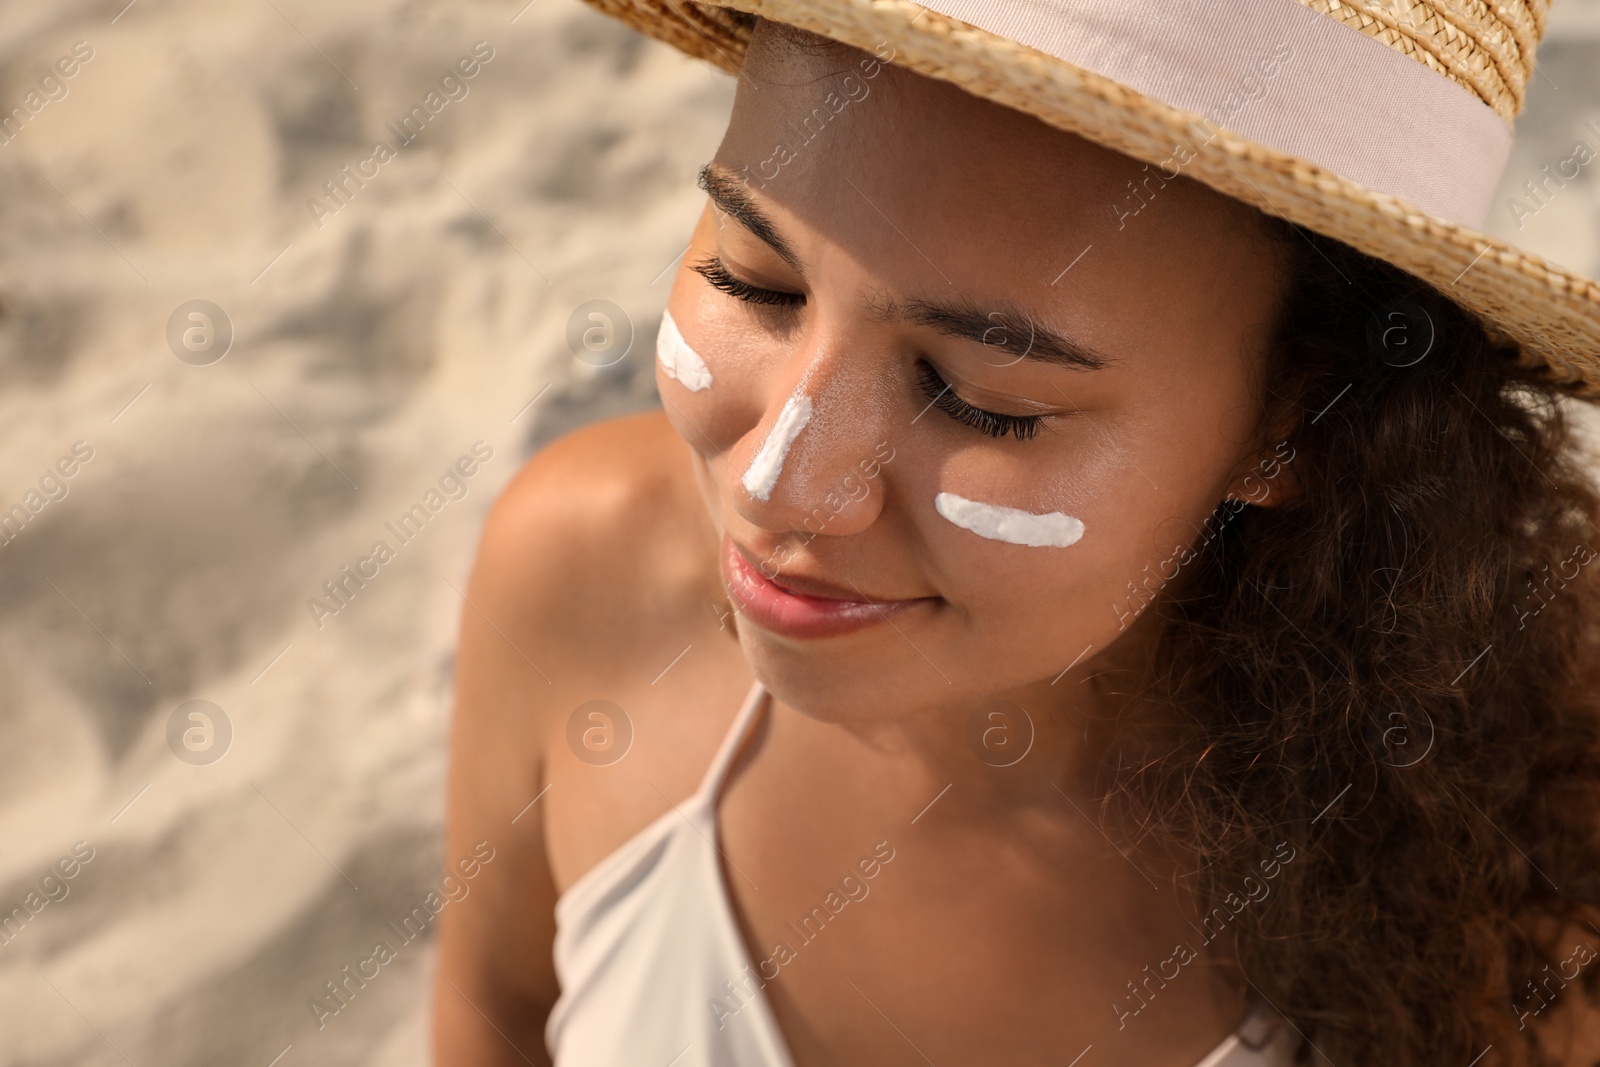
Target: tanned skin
{"x": 1014, "y": 914}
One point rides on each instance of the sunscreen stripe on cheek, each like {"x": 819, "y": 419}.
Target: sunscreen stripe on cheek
{"x": 678, "y": 359}
{"x": 1050, "y": 530}
{"x": 768, "y": 461}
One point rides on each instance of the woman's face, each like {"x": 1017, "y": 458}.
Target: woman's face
{"x": 885, "y": 258}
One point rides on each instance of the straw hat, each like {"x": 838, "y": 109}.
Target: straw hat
{"x": 1382, "y": 123}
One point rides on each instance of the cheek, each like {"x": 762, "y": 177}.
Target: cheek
{"x": 1051, "y": 499}
{"x": 1127, "y": 524}
{"x": 691, "y": 366}
{"x": 676, "y": 359}
{"x": 713, "y": 366}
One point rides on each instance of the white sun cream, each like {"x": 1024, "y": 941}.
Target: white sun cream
{"x": 1051, "y": 530}
{"x": 768, "y": 462}
{"x": 678, "y": 359}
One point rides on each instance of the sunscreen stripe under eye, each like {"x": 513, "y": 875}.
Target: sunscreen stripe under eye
{"x": 678, "y": 359}
{"x": 1051, "y": 530}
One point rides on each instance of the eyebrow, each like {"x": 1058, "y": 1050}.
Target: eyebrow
{"x": 729, "y": 194}
{"x": 1005, "y": 326}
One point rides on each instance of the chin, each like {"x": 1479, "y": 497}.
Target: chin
{"x": 831, "y": 682}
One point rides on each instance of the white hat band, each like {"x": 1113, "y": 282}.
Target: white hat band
{"x": 1285, "y": 77}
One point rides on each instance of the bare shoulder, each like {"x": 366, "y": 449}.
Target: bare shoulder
{"x": 601, "y": 537}
{"x": 603, "y": 555}
{"x": 1570, "y": 1031}
{"x": 594, "y": 562}
{"x": 1561, "y": 1007}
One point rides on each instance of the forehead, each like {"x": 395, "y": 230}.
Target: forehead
{"x": 907, "y": 170}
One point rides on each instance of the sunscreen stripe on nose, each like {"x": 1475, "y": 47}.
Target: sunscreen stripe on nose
{"x": 678, "y": 359}
{"x": 1051, "y": 530}
{"x": 768, "y": 461}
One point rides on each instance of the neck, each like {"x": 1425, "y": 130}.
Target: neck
{"x": 1046, "y": 742}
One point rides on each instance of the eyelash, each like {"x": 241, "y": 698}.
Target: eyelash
{"x": 713, "y": 271}
{"x": 934, "y": 387}
{"x": 937, "y": 390}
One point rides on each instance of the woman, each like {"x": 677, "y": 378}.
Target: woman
{"x": 1062, "y": 614}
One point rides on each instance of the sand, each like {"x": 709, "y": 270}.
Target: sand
{"x": 209, "y": 500}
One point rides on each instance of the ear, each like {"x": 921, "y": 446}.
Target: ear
{"x": 1269, "y": 481}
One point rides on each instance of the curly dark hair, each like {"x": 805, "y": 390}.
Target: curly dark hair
{"x": 1397, "y": 673}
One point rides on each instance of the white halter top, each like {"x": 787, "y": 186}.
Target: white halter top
{"x": 654, "y": 971}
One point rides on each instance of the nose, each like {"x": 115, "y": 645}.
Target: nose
{"x": 813, "y": 462}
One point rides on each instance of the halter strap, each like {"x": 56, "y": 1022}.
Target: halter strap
{"x": 731, "y": 743}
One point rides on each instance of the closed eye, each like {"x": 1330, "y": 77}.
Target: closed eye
{"x": 933, "y": 386}
{"x": 715, "y": 271}
{"x": 993, "y": 423}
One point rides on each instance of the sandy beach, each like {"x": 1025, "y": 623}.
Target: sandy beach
{"x": 241, "y": 347}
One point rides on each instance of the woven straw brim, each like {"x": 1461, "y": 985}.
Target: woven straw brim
{"x": 1552, "y": 313}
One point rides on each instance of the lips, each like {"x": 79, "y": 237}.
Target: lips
{"x": 802, "y": 607}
